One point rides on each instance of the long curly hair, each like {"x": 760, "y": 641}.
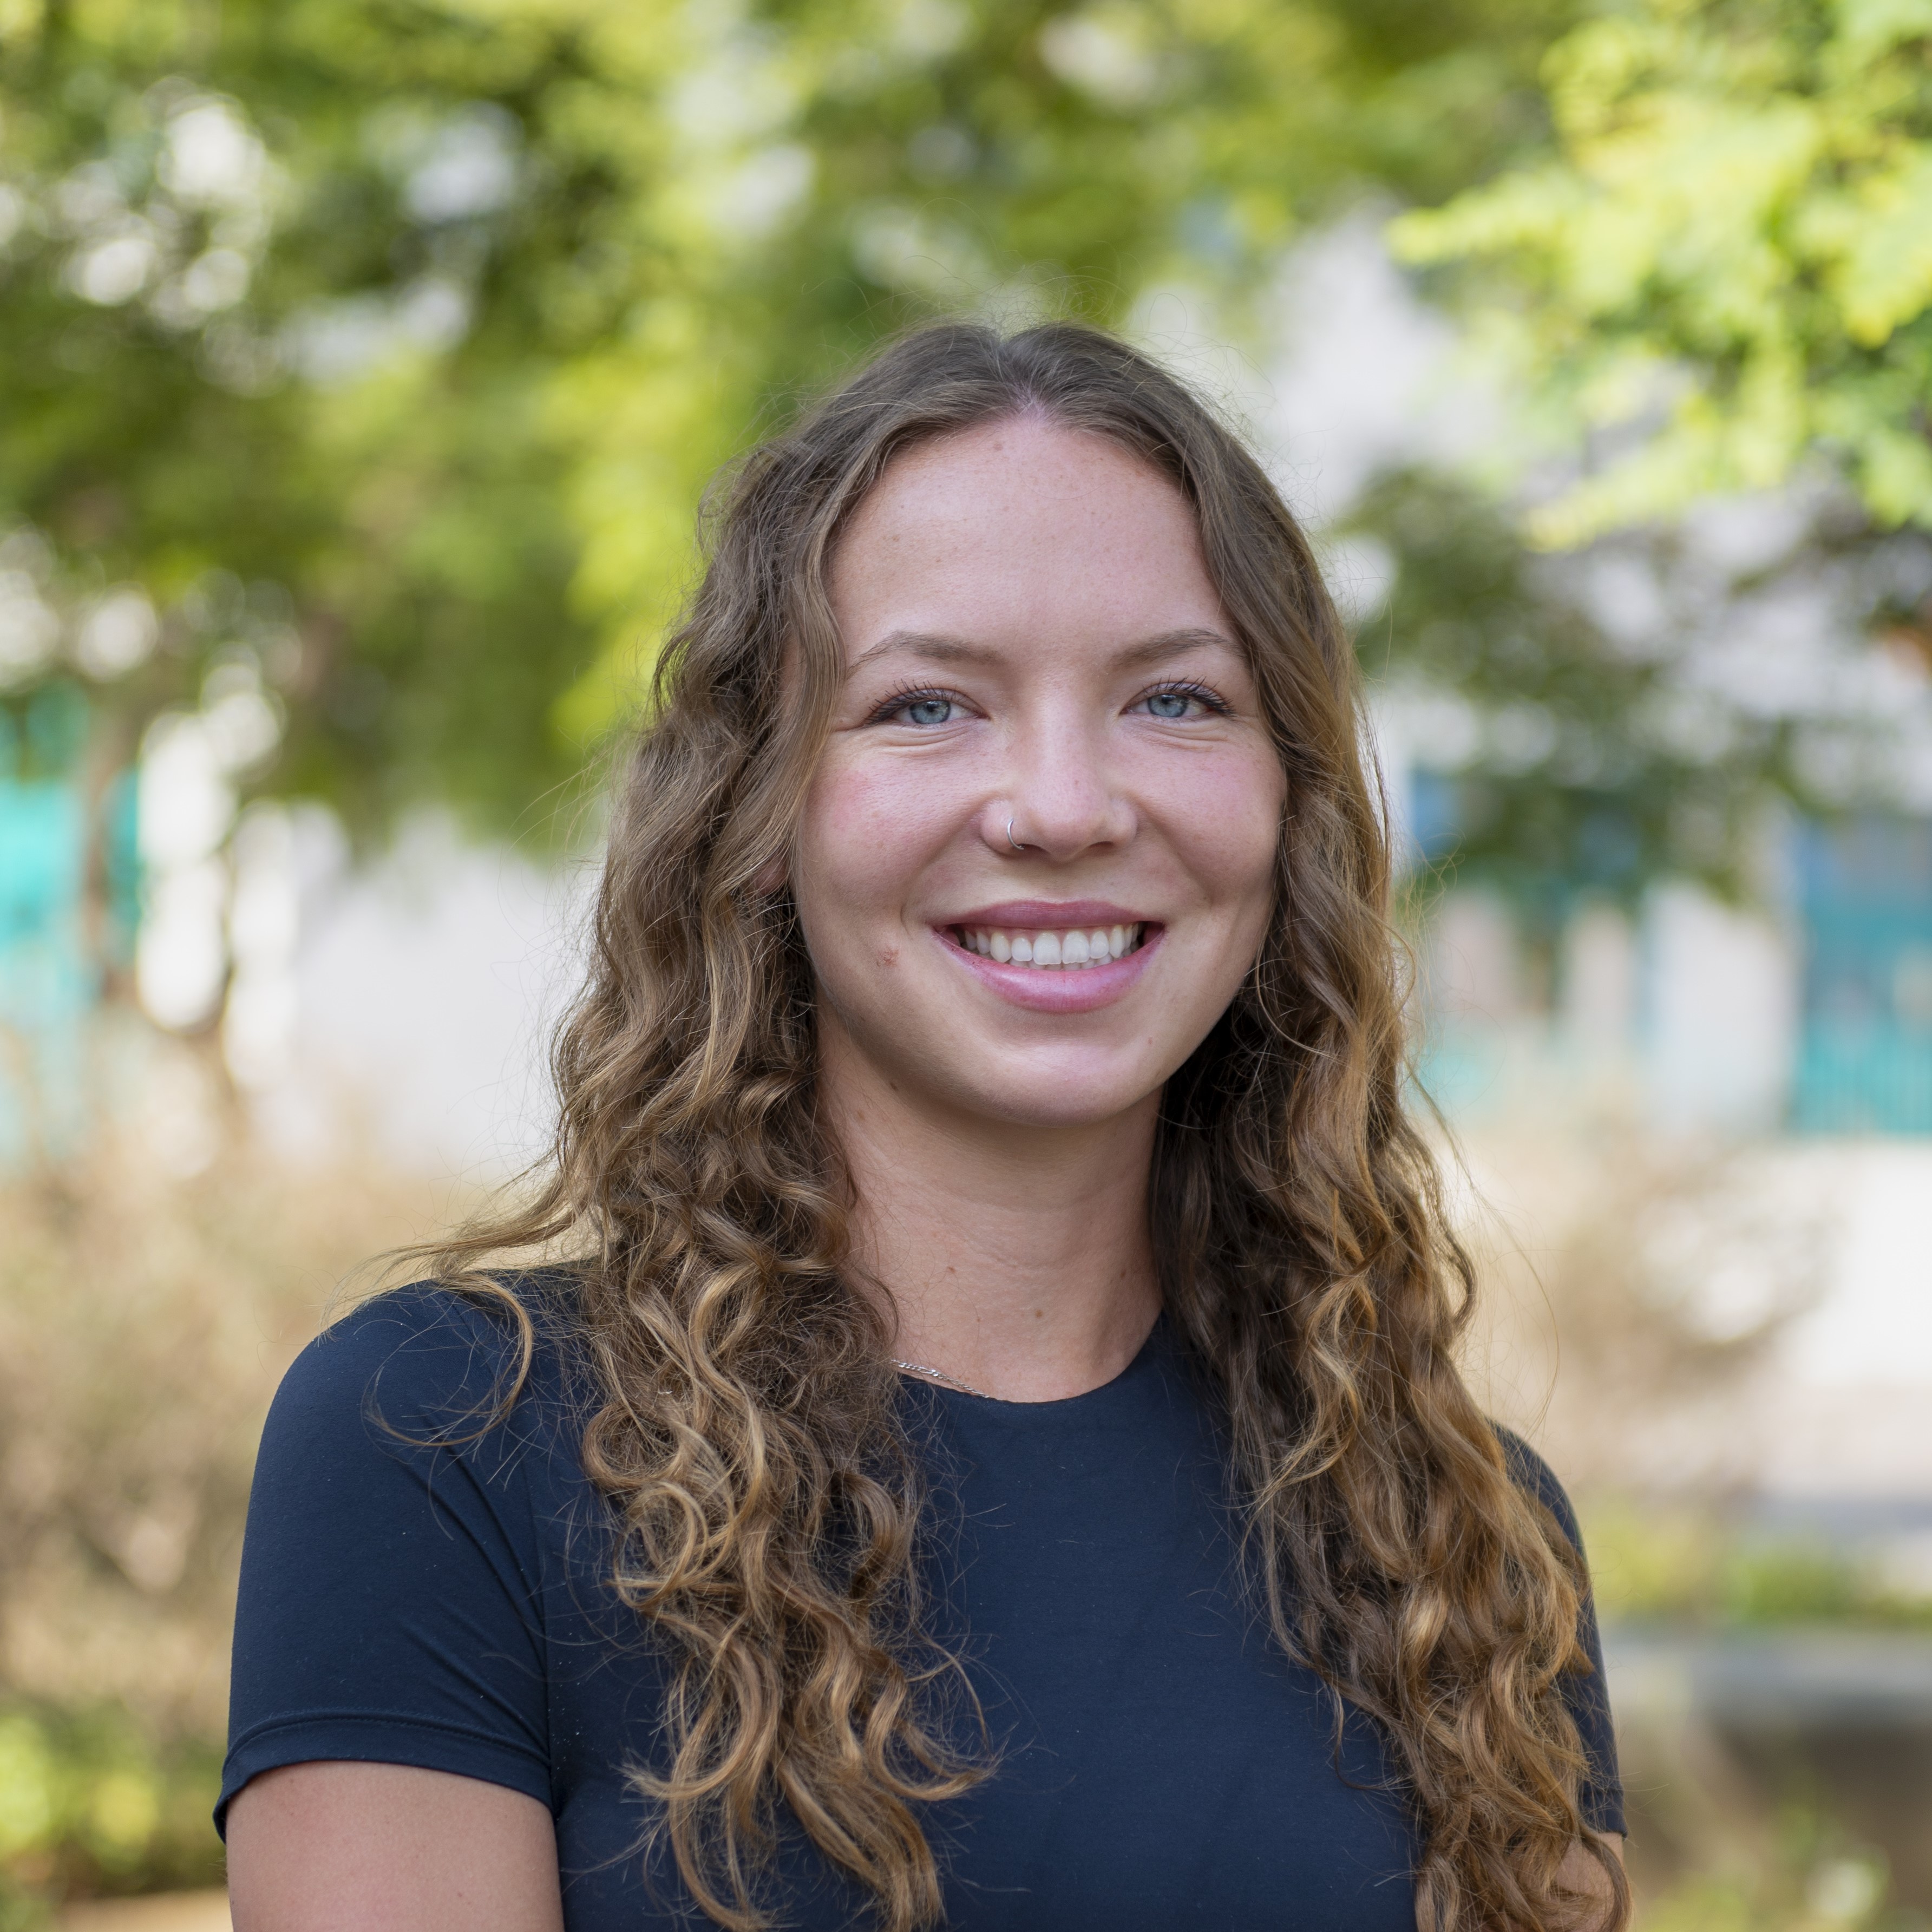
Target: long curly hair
{"x": 748, "y": 1437}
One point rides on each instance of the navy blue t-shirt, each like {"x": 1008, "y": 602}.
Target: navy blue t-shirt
{"x": 1160, "y": 1764}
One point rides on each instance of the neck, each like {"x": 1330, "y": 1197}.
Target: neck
{"x": 1015, "y": 1260}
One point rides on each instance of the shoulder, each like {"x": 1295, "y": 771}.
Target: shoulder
{"x": 428, "y": 1363}
{"x": 1532, "y": 1474}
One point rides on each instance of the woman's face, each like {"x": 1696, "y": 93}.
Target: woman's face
{"x": 1037, "y": 857}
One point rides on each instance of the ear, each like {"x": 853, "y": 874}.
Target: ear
{"x": 770, "y": 879}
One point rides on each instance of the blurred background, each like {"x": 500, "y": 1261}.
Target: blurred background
{"x": 362, "y": 365}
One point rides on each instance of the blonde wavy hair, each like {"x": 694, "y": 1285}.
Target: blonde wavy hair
{"x": 747, "y": 1439}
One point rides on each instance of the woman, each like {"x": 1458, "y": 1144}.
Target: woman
{"x": 995, "y": 1456}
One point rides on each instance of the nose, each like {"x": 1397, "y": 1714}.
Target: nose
{"x": 1059, "y": 800}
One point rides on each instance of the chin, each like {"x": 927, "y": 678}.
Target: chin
{"x": 1051, "y": 1098}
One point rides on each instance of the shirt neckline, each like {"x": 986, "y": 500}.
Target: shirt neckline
{"x": 1157, "y": 1345}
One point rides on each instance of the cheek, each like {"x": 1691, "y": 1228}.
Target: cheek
{"x": 1224, "y": 817}
{"x": 866, "y": 831}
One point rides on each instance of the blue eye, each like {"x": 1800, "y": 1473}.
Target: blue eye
{"x": 923, "y": 707}
{"x": 1174, "y": 703}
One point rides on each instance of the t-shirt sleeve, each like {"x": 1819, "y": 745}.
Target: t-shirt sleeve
{"x": 1587, "y": 1693}
{"x": 389, "y": 1608}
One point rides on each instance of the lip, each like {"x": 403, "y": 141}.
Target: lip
{"x": 1084, "y": 991}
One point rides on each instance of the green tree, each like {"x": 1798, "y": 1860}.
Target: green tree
{"x": 1551, "y": 760}
{"x": 387, "y": 345}
{"x": 1723, "y": 270}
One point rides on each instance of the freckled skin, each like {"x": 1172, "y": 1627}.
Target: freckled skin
{"x": 1050, "y": 552}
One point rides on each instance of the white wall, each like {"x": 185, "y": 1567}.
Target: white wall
{"x": 425, "y": 987}
{"x": 1719, "y": 1014}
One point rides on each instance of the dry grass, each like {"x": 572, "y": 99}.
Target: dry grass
{"x": 145, "y": 1322}
{"x": 1633, "y": 1293}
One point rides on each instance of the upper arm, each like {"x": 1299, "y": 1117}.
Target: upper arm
{"x": 342, "y": 1847}
{"x": 388, "y": 1613}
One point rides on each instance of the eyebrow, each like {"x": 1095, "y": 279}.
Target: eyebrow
{"x": 935, "y": 648}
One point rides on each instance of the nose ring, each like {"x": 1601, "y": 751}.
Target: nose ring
{"x": 1011, "y": 840}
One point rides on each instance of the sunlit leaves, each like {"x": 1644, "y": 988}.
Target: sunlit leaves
{"x": 1732, "y": 252}
{"x": 432, "y": 318}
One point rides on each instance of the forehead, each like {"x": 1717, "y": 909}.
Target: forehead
{"x": 1021, "y": 527}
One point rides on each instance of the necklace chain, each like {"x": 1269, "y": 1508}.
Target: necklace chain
{"x": 940, "y": 1375}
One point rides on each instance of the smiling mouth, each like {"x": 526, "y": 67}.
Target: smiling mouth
{"x": 1072, "y": 950}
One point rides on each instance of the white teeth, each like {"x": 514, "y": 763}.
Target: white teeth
{"x": 1054, "y": 951}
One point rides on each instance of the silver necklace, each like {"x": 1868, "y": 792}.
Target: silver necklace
{"x": 941, "y": 1375}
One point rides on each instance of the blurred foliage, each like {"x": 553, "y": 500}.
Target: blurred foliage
{"x": 1727, "y": 266}
{"x": 1655, "y": 1563}
{"x": 391, "y": 342}
{"x": 92, "y": 1803}
{"x": 146, "y": 1315}
{"x": 1815, "y": 1879}
{"x": 365, "y": 360}
{"x": 1554, "y": 763}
